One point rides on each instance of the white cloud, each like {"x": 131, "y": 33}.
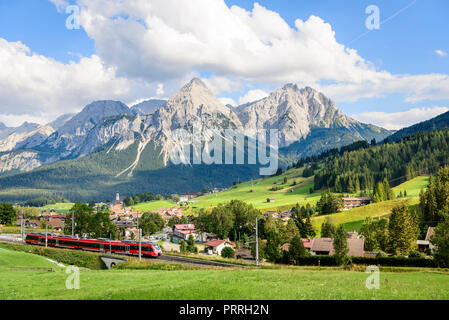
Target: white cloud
{"x": 60, "y": 5}
{"x": 160, "y": 89}
{"x": 415, "y": 87}
{"x": 399, "y": 120}
{"x": 219, "y": 84}
{"x": 163, "y": 39}
{"x": 12, "y": 120}
{"x": 142, "y": 45}
{"x": 441, "y": 53}
{"x": 227, "y": 101}
{"x": 43, "y": 88}
{"x": 29, "y": 81}
{"x": 253, "y": 95}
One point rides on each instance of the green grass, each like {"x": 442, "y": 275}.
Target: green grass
{"x": 213, "y": 284}
{"x": 16, "y": 230}
{"x": 357, "y": 215}
{"x": 413, "y": 187}
{"x": 153, "y": 280}
{"x": 16, "y": 259}
{"x": 68, "y": 257}
{"x": 353, "y": 219}
{"x": 284, "y": 198}
{"x": 154, "y": 205}
{"x": 61, "y": 208}
{"x": 353, "y": 225}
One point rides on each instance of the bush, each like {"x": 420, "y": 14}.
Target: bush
{"x": 330, "y": 261}
{"x": 414, "y": 254}
{"x": 228, "y": 252}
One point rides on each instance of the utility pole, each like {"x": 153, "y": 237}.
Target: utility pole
{"x": 21, "y": 225}
{"x": 257, "y": 244}
{"x": 46, "y": 232}
{"x": 140, "y": 239}
{"x": 73, "y": 224}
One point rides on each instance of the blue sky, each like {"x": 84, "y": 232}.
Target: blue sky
{"x": 405, "y": 46}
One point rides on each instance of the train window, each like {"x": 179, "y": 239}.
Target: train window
{"x": 147, "y": 248}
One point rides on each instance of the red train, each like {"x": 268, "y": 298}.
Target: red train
{"x": 148, "y": 249}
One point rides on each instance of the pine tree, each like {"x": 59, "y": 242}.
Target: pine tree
{"x": 291, "y": 231}
{"x": 402, "y": 231}
{"x": 297, "y": 250}
{"x": 309, "y": 231}
{"x": 340, "y": 245}
{"x": 327, "y": 229}
{"x": 441, "y": 242}
{"x": 388, "y": 192}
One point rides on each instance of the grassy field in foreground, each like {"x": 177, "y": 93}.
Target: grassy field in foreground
{"x": 288, "y": 283}
{"x": 16, "y": 259}
{"x": 282, "y": 284}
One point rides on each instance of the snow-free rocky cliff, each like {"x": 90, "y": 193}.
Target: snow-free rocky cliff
{"x": 295, "y": 112}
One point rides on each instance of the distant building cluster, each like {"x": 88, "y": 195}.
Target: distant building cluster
{"x": 53, "y": 220}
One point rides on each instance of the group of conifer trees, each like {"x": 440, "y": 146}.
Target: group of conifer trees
{"x": 363, "y": 169}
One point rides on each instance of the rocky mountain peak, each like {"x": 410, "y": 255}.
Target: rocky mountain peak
{"x": 194, "y": 83}
{"x": 291, "y": 86}
{"x": 148, "y": 106}
{"x": 195, "y": 102}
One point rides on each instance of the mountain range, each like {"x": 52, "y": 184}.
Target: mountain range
{"x": 439, "y": 122}
{"x": 112, "y": 147}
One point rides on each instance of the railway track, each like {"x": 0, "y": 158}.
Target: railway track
{"x": 11, "y": 238}
{"x": 166, "y": 258}
{"x": 193, "y": 261}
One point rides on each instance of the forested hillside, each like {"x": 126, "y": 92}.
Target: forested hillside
{"x": 440, "y": 122}
{"x": 360, "y": 170}
{"x": 94, "y": 177}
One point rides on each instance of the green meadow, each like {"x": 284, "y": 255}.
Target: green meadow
{"x": 287, "y": 283}
{"x": 296, "y": 189}
{"x": 61, "y": 208}
{"x": 413, "y": 187}
{"x": 154, "y": 205}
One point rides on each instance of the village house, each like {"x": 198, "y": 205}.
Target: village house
{"x": 244, "y": 254}
{"x": 168, "y": 213}
{"x": 216, "y": 246}
{"x": 273, "y": 214}
{"x": 306, "y": 242}
{"x": 54, "y": 222}
{"x": 183, "y": 231}
{"x": 188, "y": 196}
{"x": 351, "y": 203}
{"x": 285, "y": 216}
{"x": 424, "y": 245}
{"x": 325, "y": 246}
{"x": 203, "y": 237}
{"x": 129, "y": 226}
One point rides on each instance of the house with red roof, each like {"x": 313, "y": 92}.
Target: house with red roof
{"x": 183, "y": 231}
